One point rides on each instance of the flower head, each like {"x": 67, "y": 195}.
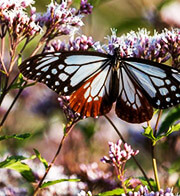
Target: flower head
{"x": 85, "y": 7}
{"x": 119, "y": 155}
{"x": 60, "y": 19}
{"x": 79, "y": 43}
{"x": 158, "y": 47}
{"x": 14, "y": 16}
{"x": 143, "y": 190}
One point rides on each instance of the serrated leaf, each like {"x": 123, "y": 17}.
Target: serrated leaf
{"x": 15, "y": 136}
{"x": 173, "y": 116}
{"x": 114, "y": 192}
{"x": 14, "y": 162}
{"x": 43, "y": 160}
{"x": 49, "y": 183}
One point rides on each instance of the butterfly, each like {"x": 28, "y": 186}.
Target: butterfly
{"x": 94, "y": 81}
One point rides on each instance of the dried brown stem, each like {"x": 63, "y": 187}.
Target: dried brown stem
{"x": 53, "y": 160}
{"x": 135, "y": 160}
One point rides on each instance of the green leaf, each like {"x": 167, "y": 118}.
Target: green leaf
{"x": 49, "y": 183}
{"x": 173, "y": 116}
{"x": 19, "y": 60}
{"x": 145, "y": 183}
{"x": 14, "y": 162}
{"x": 2, "y": 71}
{"x": 148, "y": 132}
{"x": 117, "y": 191}
{"x": 15, "y": 136}
{"x": 172, "y": 129}
{"x": 43, "y": 160}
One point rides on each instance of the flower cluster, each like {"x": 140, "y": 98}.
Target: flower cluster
{"x": 117, "y": 155}
{"x": 79, "y": 43}
{"x": 14, "y": 18}
{"x": 85, "y": 7}
{"x": 159, "y": 47}
{"x": 118, "y": 158}
{"x": 144, "y": 191}
{"x": 60, "y": 19}
{"x": 71, "y": 116}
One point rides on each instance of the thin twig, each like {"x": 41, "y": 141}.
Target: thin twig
{"x": 53, "y": 160}
{"x": 135, "y": 160}
{"x": 2, "y": 55}
{"x": 157, "y": 122}
{"x": 4, "y": 90}
{"x": 37, "y": 47}
{"x": 12, "y": 104}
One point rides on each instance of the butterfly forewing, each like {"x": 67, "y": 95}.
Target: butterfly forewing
{"x": 63, "y": 72}
{"x": 159, "y": 83}
{"x": 94, "y": 98}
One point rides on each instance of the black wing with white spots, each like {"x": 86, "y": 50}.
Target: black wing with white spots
{"x": 64, "y": 72}
{"x": 94, "y": 81}
{"x": 159, "y": 83}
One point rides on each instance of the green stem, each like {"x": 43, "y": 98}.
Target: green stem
{"x": 135, "y": 160}
{"x": 154, "y": 163}
{"x": 156, "y": 173}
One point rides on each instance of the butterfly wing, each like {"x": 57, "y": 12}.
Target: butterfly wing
{"x": 159, "y": 83}
{"x": 144, "y": 84}
{"x": 85, "y": 76}
{"x": 131, "y": 106}
{"x": 94, "y": 97}
{"x": 63, "y": 72}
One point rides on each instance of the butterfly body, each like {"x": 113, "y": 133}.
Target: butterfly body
{"x": 94, "y": 81}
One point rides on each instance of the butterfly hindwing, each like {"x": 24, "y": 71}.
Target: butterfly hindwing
{"x": 131, "y": 106}
{"x": 159, "y": 83}
{"x": 63, "y": 72}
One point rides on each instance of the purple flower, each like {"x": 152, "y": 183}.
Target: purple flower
{"x": 60, "y": 19}
{"x": 79, "y": 43}
{"x": 19, "y": 24}
{"x": 117, "y": 155}
{"x": 158, "y": 47}
{"x": 143, "y": 191}
{"x": 85, "y": 7}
